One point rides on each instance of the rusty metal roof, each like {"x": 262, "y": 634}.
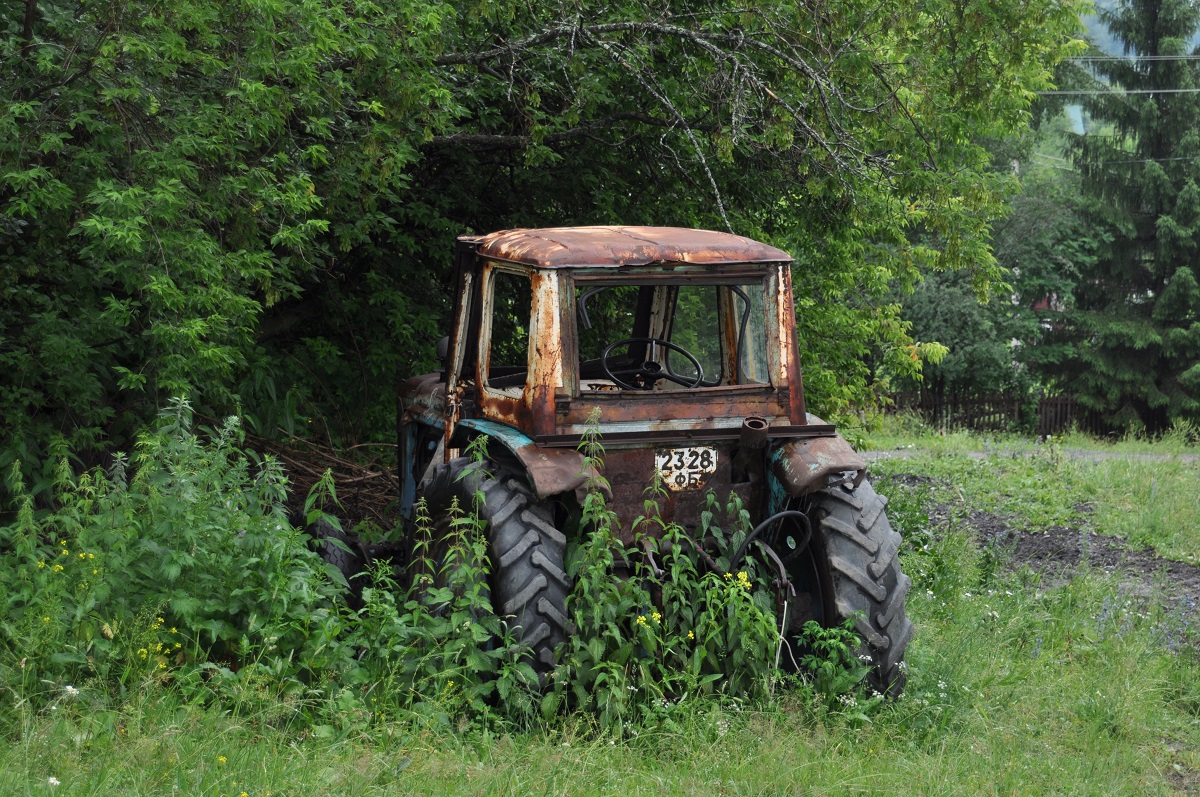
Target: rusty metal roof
{"x": 577, "y": 247}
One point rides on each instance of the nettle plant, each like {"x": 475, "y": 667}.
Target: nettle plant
{"x": 437, "y": 647}
{"x": 655, "y": 625}
{"x": 179, "y": 557}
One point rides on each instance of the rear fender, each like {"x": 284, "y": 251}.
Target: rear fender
{"x": 550, "y": 471}
{"x": 805, "y": 466}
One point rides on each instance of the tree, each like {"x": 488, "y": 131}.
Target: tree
{"x": 253, "y": 202}
{"x": 1008, "y": 341}
{"x": 1135, "y": 324}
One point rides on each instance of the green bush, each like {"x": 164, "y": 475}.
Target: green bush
{"x": 178, "y": 557}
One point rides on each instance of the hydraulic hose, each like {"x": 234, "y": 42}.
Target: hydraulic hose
{"x": 761, "y": 527}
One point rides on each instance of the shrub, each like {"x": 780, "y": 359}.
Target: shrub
{"x": 180, "y": 556}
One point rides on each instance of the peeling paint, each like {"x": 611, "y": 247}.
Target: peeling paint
{"x": 547, "y": 415}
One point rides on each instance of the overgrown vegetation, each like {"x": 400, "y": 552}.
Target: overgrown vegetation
{"x": 1018, "y": 683}
{"x": 179, "y": 571}
{"x": 653, "y": 632}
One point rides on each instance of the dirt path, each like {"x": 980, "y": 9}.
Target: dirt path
{"x": 1058, "y": 552}
{"x": 1083, "y": 454}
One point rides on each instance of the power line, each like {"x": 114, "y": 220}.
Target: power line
{"x": 1115, "y": 92}
{"x": 1116, "y": 162}
{"x": 1133, "y": 58}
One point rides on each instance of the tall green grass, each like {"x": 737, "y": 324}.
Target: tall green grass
{"x": 1073, "y": 690}
{"x": 1139, "y": 491}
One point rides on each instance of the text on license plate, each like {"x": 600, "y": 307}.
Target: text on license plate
{"x": 685, "y": 468}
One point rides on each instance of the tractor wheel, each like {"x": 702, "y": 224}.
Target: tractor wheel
{"x": 847, "y": 568}
{"x": 350, "y": 563}
{"x": 528, "y": 582}
{"x": 857, "y": 547}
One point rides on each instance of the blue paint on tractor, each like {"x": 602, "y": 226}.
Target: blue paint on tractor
{"x": 506, "y": 435}
{"x": 777, "y": 497}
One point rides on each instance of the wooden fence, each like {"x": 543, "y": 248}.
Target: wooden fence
{"x": 998, "y": 412}
{"x": 962, "y": 411}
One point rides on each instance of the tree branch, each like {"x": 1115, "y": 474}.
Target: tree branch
{"x": 519, "y": 141}
{"x": 27, "y": 27}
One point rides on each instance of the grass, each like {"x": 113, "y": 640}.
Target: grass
{"x": 1139, "y": 490}
{"x": 1016, "y": 686}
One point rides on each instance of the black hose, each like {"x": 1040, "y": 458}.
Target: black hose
{"x": 787, "y": 513}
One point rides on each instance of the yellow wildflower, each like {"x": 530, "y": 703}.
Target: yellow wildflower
{"x": 41, "y": 564}
{"x": 691, "y": 635}
{"x": 656, "y": 616}
{"x": 57, "y": 568}
{"x": 641, "y": 620}
{"x": 221, "y": 759}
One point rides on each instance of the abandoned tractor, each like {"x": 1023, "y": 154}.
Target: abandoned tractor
{"x": 684, "y": 341}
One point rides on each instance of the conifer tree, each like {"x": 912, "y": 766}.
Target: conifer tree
{"x": 1135, "y": 324}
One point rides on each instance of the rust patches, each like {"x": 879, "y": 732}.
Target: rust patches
{"x": 629, "y": 471}
{"x": 789, "y": 347}
{"x": 566, "y": 247}
{"x": 558, "y": 470}
{"x": 700, "y": 404}
{"x": 804, "y": 466}
{"x": 546, "y": 360}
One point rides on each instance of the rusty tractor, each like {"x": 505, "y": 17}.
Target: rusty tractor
{"x": 685, "y": 342}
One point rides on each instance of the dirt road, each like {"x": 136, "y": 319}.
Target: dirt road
{"x": 1057, "y": 553}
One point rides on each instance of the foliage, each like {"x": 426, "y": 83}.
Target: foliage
{"x": 255, "y": 202}
{"x": 1135, "y": 323}
{"x": 655, "y": 627}
{"x": 980, "y": 355}
{"x": 187, "y": 572}
{"x": 438, "y": 647}
{"x": 1006, "y": 341}
{"x": 832, "y": 662}
{"x": 181, "y": 558}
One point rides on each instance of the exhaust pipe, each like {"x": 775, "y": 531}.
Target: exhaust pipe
{"x": 754, "y": 433}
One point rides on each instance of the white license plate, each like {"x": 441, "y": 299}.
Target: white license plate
{"x": 685, "y": 468}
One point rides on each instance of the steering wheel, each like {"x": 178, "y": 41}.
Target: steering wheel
{"x": 650, "y": 372}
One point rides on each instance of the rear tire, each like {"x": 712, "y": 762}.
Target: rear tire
{"x": 529, "y": 583}
{"x": 350, "y": 563}
{"x": 858, "y": 550}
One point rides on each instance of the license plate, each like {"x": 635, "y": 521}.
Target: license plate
{"x": 685, "y": 468}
